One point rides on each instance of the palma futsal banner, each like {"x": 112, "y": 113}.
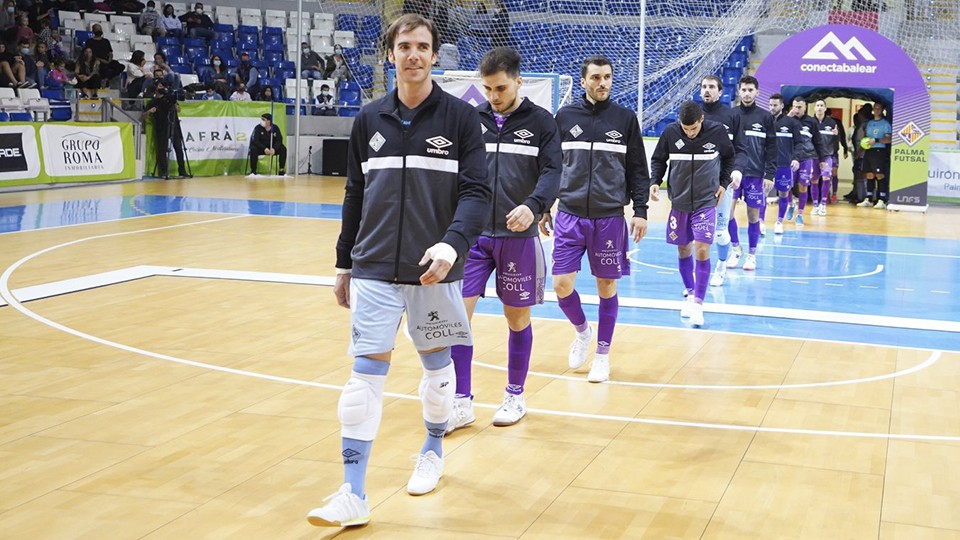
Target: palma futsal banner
{"x": 216, "y": 135}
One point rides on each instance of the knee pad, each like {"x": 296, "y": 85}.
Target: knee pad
{"x": 437, "y": 389}
{"x": 722, "y": 237}
{"x": 361, "y": 406}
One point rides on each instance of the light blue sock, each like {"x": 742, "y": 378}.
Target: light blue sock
{"x": 356, "y": 453}
{"x": 435, "y": 431}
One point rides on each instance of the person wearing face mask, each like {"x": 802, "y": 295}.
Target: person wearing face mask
{"x": 150, "y": 23}
{"x": 170, "y": 24}
{"x": 311, "y": 65}
{"x": 329, "y": 62}
{"x": 341, "y": 72}
{"x": 267, "y": 140}
{"x": 8, "y": 18}
{"x": 324, "y": 105}
{"x": 103, "y": 52}
{"x": 247, "y": 75}
{"x": 24, "y": 47}
{"x": 198, "y": 23}
{"x": 216, "y": 75}
{"x": 241, "y": 94}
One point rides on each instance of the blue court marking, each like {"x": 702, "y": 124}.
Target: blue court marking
{"x": 918, "y": 278}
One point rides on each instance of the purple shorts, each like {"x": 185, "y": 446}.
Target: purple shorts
{"x": 603, "y": 239}
{"x": 784, "y": 179}
{"x": 805, "y": 172}
{"x": 521, "y": 270}
{"x": 752, "y": 188}
{"x": 685, "y": 227}
{"x": 828, "y": 172}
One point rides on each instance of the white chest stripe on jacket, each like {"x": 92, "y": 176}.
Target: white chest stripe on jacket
{"x": 788, "y": 135}
{"x": 603, "y": 147}
{"x": 509, "y": 148}
{"x": 694, "y": 157}
{"x": 755, "y": 134}
{"x": 413, "y": 162}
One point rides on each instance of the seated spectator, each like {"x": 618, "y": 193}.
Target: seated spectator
{"x": 323, "y": 103}
{"x": 340, "y": 72}
{"x": 267, "y": 140}
{"x": 58, "y": 73}
{"x": 25, "y": 52}
{"x": 55, "y": 45}
{"x": 311, "y": 65}
{"x": 211, "y": 94}
{"x": 8, "y": 20}
{"x": 103, "y": 52}
{"x": 88, "y": 73}
{"x": 137, "y": 75}
{"x": 13, "y": 73}
{"x": 170, "y": 77}
{"x": 150, "y": 22}
{"x": 170, "y": 23}
{"x": 198, "y": 23}
{"x": 247, "y": 74}
{"x": 216, "y": 74}
{"x": 23, "y": 30}
{"x": 241, "y": 94}
{"x": 267, "y": 94}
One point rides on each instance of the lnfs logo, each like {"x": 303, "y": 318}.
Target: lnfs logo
{"x": 827, "y": 49}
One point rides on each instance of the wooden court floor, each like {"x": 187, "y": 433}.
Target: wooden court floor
{"x": 171, "y": 406}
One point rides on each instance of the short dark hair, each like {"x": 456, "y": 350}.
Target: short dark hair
{"x": 408, "y": 22}
{"x": 801, "y": 99}
{"x": 715, "y": 79}
{"x": 778, "y": 95}
{"x": 595, "y": 60}
{"x": 749, "y": 79}
{"x": 322, "y": 86}
{"x": 500, "y": 59}
{"x": 690, "y": 113}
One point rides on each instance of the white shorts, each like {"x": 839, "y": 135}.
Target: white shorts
{"x": 436, "y": 316}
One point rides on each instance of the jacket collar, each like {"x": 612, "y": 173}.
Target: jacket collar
{"x": 487, "y": 110}
{"x": 595, "y": 107}
{"x": 391, "y": 104}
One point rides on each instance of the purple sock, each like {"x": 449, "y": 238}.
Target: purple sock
{"x": 519, "y": 346}
{"x": 782, "y": 208}
{"x": 802, "y": 201}
{"x": 734, "y": 233}
{"x": 753, "y": 235}
{"x": 462, "y": 360}
{"x": 703, "y": 276}
{"x": 815, "y": 193}
{"x": 573, "y": 310}
{"x": 686, "y": 272}
{"x": 825, "y": 191}
{"x": 607, "y": 322}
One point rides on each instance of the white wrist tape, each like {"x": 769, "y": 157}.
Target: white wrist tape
{"x": 442, "y": 252}
{"x": 344, "y": 271}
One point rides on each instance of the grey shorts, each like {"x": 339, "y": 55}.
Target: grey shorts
{"x": 436, "y": 316}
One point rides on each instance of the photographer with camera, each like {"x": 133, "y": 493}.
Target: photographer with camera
{"x": 166, "y": 130}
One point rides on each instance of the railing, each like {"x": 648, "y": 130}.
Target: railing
{"x": 111, "y": 113}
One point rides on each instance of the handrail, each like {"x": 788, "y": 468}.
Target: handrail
{"x": 108, "y": 113}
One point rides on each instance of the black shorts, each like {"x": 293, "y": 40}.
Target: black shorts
{"x": 875, "y": 161}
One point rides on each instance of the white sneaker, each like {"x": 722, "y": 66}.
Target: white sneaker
{"x": 750, "y": 263}
{"x": 823, "y": 209}
{"x": 866, "y": 203}
{"x": 719, "y": 274}
{"x": 696, "y": 317}
{"x": 880, "y": 205}
{"x": 687, "y": 305}
{"x": 763, "y": 229}
{"x": 578, "y": 349}
{"x": 599, "y": 368}
{"x": 426, "y": 474}
{"x": 816, "y": 210}
{"x": 733, "y": 260}
{"x": 462, "y": 414}
{"x": 344, "y": 510}
{"x": 513, "y": 409}
{"x": 778, "y": 228}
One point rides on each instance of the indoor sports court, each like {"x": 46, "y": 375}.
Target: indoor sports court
{"x": 172, "y": 355}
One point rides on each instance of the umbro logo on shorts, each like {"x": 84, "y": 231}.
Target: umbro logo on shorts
{"x": 376, "y": 142}
{"x": 576, "y": 131}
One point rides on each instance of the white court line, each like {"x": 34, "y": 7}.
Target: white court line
{"x": 6, "y": 294}
{"x": 877, "y": 270}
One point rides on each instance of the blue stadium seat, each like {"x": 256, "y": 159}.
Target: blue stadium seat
{"x": 248, "y": 32}
{"x": 273, "y": 56}
{"x": 247, "y": 46}
{"x": 225, "y": 53}
{"x": 170, "y": 50}
{"x": 348, "y": 23}
{"x": 223, "y": 41}
{"x": 363, "y": 74}
{"x": 272, "y": 31}
{"x": 273, "y": 42}
{"x": 254, "y": 55}
{"x": 21, "y": 117}
{"x": 4, "y": 116}
{"x": 349, "y": 98}
{"x": 185, "y": 69}
{"x": 291, "y": 103}
{"x": 263, "y": 67}
{"x": 80, "y": 37}
{"x": 224, "y": 29}
{"x": 165, "y": 40}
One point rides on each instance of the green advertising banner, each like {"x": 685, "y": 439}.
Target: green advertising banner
{"x": 60, "y": 152}
{"x": 216, "y": 135}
